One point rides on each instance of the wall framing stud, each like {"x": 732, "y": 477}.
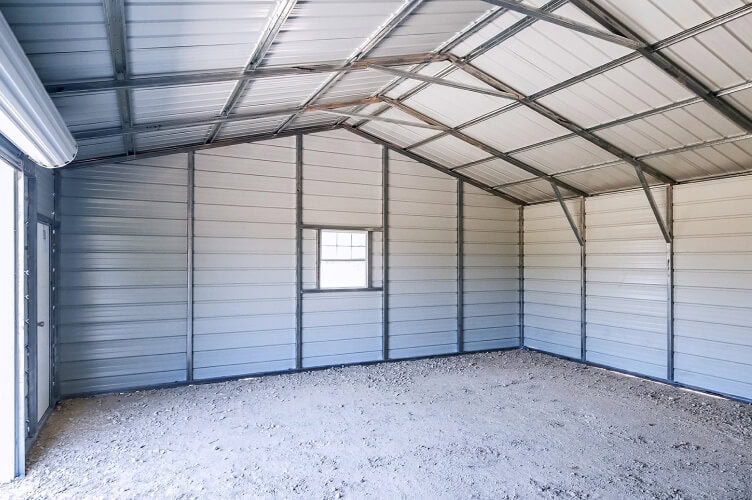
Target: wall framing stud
{"x": 583, "y": 281}
{"x": 385, "y": 251}
{"x": 460, "y": 267}
{"x": 298, "y": 252}
{"x": 190, "y": 226}
{"x": 670, "y": 283}
{"x": 521, "y": 260}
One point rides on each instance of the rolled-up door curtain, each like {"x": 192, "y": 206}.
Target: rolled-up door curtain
{"x": 28, "y": 117}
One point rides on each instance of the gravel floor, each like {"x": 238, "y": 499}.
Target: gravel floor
{"x": 497, "y": 425}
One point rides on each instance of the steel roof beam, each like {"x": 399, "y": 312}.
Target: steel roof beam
{"x": 666, "y": 64}
{"x": 404, "y": 10}
{"x": 568, "y": 214}
{"x": 484, "y": 147}
{"x": 189, "y": 123}
{"x": 383, "y": 119}
{"x": 441, "y": 81}
{"x": 432, "y": 164}
{"x": 560, "y": 120}
{"x": 273, "y": 26}
{"x": 196, "y": 147}
{"x": 153, "y": 81}
{"x": 116, "y": 35}
{"x": 567, "y": 23}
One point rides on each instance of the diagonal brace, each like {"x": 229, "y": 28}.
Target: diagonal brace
{"x": 568, "y": 214}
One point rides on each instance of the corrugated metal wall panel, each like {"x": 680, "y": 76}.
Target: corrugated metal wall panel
{"x": 713, "y": 285}
{"x": 123, "y": 284}
{"x": 627, "y": 283}
{"x": 244, "y": 283}
{"x": 423, "y": 260}
{"x": 341, "y": 180}
{"x": 491, "y": 271}
{"x": 341, "y": 187}
{"x": 552, "y": 280}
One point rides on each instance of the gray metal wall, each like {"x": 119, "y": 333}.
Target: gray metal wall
{"x": 123, "y": 282}
{"x": 713, "y": 285}
{"x": 244, "y": 259}
{"x": 125, "y": 318}
{"x": 491, "y": 271}
{"x": 552, "y": 285}
{"x": 422, "y": 260}
{"x": 342, "y": 186}
{"x": 627, "y": 283}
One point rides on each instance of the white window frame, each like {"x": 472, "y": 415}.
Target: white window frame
{"x": 368, "y": 260}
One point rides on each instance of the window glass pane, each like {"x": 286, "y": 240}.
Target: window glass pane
{"x": 328, "y": 252}
{"x": 344, "y": 253}
{"x": 344, "y": 239}
{"x": 359, "y": 253}
{"x": 343, "y": 274}
{"x": 359, "y": 239}
{"x": 328, "y": 238}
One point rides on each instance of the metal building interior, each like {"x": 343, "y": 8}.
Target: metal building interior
{"x": 202, "y": 191}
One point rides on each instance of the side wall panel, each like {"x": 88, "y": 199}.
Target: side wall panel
{"x": 552, "y": 280}
{"x": 627, "y": 283}
{"x": 123, "y": 280}
{"x": 341, "y": 187}
{"x": 713, "y": 285}
{"x": 422, "y": 259}
{"x": 244, "y": 259}
{"x": 491, "y": 271}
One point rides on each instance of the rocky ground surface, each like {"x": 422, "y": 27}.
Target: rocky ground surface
{"x": 495, "y": 425}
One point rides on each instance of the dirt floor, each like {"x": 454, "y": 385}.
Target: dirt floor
{"x": 499, "y": 425}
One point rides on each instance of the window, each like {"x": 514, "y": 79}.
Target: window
{"x": 343, "y": 259}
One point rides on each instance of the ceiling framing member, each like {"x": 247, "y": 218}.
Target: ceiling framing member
{"x": 432, "y": 164}
{"x": 484, "y": 147}
{"x": 369, "y": 44}
{"x": 116, "y": 35}
{"x": 271, "y": 30}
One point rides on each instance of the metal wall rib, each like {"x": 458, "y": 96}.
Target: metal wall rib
{"x": 123, "y": 275}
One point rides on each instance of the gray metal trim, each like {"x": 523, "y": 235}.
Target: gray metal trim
{"x": 402, "y": 12}
{"x": 670, "y": 281}
{"x": 19, "y": 200}
{"x": 566, "y": 23}
{"x": 432, "y": 164}
{"x": 190, "y": 266}
{"x": 369, "y": 257}
{"x": 521, "y": 298}
{"x": 653, "y": 205}
{"x": 318, "y": 257}
{"x": 460, "y": 267}
{"x": 195, "y": 147}
{"x": 583, "y": 283}
{"x": 560, "y": 120}
{"x": 31, "y": 310}
{"x": 153, "y": 81}
{"x": 272, "y": 29}
{"x": 482, "y": 146}
{"x": 298, "y": 252}
{"x": 663, "y": 62}
{"x": 570, "y": 219}
{"x": 334, "y": 227}
{"x": 56, "y": 273}
{"x": 385, "y": 252}
{"x": 340, "y": 290}
{"x": 116, "y": 35}
{"x": 441, "y": 81}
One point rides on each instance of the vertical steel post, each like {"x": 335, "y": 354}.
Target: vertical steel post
{"x": 31, "y": 306}
{"x": 369, "y": 257}
{"x": 521, "y": 288}
{"x": 19, "y": 332}
{"x": 385, "y": 251}
{"x": 190, "y": 226}
{"x": 460, "y": 267}
{"x": 583, "y": 282}
{"x": 298, "y": 251}
{"x": 670, "y": 282}
{"x": 56, "y": 275}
